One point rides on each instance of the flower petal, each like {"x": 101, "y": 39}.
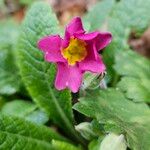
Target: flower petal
{"x": 74, "y": 27}
{"x": 101, "y": 40}
{"x": 54, "y": 57}
{"x": 96, "y": 66}
{"x": 50, "y": 43}
{"x": 68, "y": 76}
{"x": 51, "y": 46}
{"x": 88, "y": 36}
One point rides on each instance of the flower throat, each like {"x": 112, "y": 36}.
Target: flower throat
{"x": 75, "y": 52}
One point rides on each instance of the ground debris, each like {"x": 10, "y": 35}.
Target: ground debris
{"x": 142, "y": 44}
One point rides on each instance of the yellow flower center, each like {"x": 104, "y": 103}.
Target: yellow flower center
{"x": 75, "y": 52}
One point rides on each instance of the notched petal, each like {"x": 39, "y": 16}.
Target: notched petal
{"x": 96, "y": 66}
{"x": 103, "y": 40}
{"x": 68, "y": 77}
{"x": 49, "y": 43}
{"x": 51, "y": 46}
{"x": 74, "y": 27}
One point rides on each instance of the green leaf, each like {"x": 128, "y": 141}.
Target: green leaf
{"x": 39, "y": 75}
{"x": 122, "y": 21}
{"x": 18, "y": 108}
{"x": 38, "y": 117}
{"x": 95, "y": 144}
{"x": 110, "y": 106}
{"x": 59, "y": 145}
{"x": 16, "y": 133}
{"x": 26, "y": 110}
{"x": 135, "y": 70}
{"x": 26, "y": 2}
{"x": 98, "y": 14}
{"x": 10, "y": 141}
{"x": 86, "y": 130}
{"x": 9, "y": 77}
{"x": 2, "y": 102}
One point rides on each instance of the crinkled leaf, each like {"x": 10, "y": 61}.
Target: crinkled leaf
{"x": 98, "y": 14}
{"x": 10, "y": 141}
{"x": 39, "y": 75}
{"x": 122, "y": 21}
{"x": 110, "y": 106}
{"x": 135, "y": 70}
{"x": 16, "y": 133}
{"x": 9, "y": 77}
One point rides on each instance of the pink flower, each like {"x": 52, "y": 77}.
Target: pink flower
{"x": 75, "y": 54}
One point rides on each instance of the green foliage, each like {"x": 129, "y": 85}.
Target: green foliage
{"x": 99, "y": 14}
{"x": 95, "y": 144}
{"x": 126, "y": 16}
{"x": 135, "y": 70}
{"x": 16, "y": 133}
{"x": 2, "y": 102}
{"x": 39, "y": 75}
{"x": 117, "y": 119}
{"x": 18, "y": 108}
{"x": 38, "y": 117}
{"x": 59, "y": 145}
{"x": 25, "y": 109}
{"x": 86, "y": 130}
{"x": 110, "y": 106}
{"x": 26, "y": 2}
{"x": 9, "y": 78}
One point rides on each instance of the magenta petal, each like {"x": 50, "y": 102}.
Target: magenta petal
{"x": 54, "y": 57}
{"x": 50, "y": 43}
{"x": 88, "y": 36}
{"x": 96, "y": 66}
{"x": 68, "y": 76}
{"x": 74, "y": 27}
{"x": 101, "y": 40}
{"x": 51, "y": 46}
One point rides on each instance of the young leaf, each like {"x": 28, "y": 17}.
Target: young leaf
{"x": 16, "y": 133}
{"x": 39, "y": 75}
{"x": 113, "y": 142}
{"x": 135, "y": 70}
{"x": 86, "y": 130}
{"x": 109, "y": 142}
{"x": 111, "y": 106}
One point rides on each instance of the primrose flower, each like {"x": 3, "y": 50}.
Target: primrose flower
{"x": 76, "y": 53}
